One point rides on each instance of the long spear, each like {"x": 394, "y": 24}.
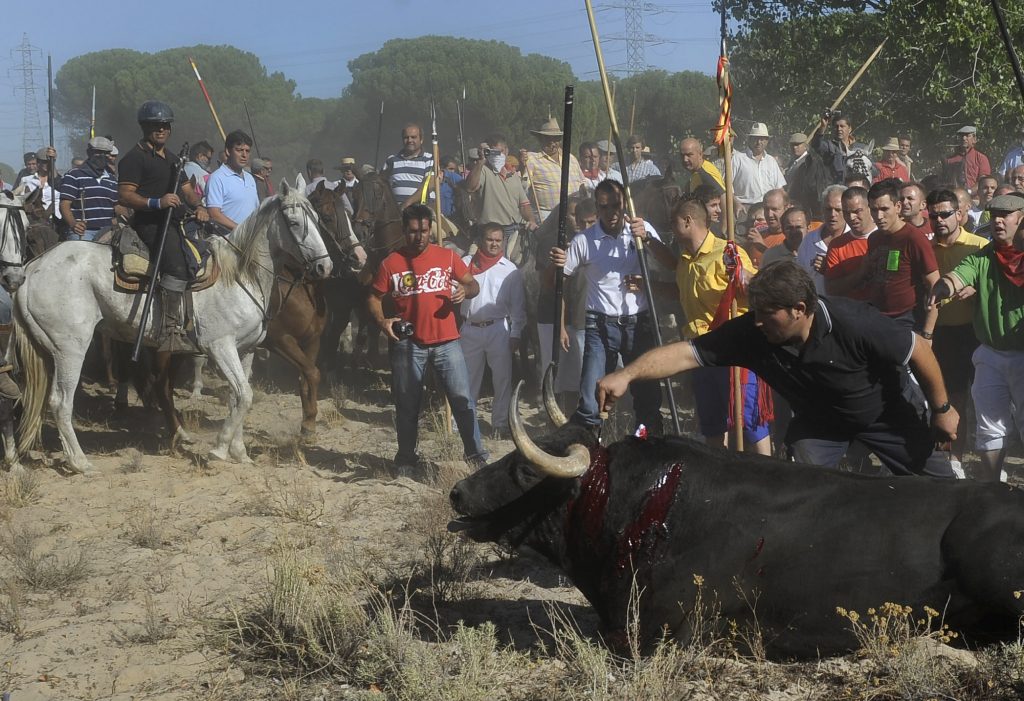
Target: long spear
{"x": 380, "y": 125}
{"x": 849, "y": 86}
{"x": 641, "y": 250}
{"x": 209, "y": 102}
{"x": 51, "y": 178}
{"x": 92, "y": 115}
{"x": 458, "y": 108}
{"x": 438, "y": 171}
{"x": 563, "y": 211}
{"x": 252, "y": 132}
{"x": 723, "y": 137}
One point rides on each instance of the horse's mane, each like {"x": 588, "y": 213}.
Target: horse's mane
{"x": 239, "y": 256}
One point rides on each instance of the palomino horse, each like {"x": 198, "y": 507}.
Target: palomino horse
{"x": 68, "y": 292}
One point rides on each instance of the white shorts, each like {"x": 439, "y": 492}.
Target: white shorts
{"x": 998, "y": 393}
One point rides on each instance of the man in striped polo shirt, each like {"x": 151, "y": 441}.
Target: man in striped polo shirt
{"x": 406, "y": 169}
{"x": 88, "y": 194}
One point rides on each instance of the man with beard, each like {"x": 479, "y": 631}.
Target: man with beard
{"x": 839, "y": 363}
{"x": 145, "y": 186}
{"x": 912, "y": 208}
{"x": 996, "y": 272}
{"x": 424, "y": 282}
{"x": 543, "y": 169}
{"x": 88, "y": 194}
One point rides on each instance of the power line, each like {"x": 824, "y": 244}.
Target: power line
{"x": 32, "y": 134}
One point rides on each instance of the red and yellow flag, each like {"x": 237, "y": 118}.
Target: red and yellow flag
{"x": 724, "y": 98}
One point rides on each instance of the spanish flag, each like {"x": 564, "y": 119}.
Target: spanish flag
{"x": 724, "y": 98}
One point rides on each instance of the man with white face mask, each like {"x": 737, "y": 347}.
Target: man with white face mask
{"x": 504, "y": 200}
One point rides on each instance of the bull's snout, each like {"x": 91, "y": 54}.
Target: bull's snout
{"x": 455, "y": 498}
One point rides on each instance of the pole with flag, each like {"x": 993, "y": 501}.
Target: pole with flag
{"x": 92, "y": 115}
{"x": 723, "y": 137}
{"x": 209, "y": 102}
{"x": 641, "y": 249}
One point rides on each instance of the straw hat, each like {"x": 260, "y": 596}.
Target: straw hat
{"x": 759, "y": 129}
{"x": 548, "y": 128}
{"x": 346, "y": 163}
{"x": 893, "y": 144}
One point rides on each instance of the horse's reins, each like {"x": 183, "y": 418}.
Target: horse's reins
{"x": 19, "y": 232}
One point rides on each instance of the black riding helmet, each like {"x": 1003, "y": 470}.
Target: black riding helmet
{"x": 155, "y": 112}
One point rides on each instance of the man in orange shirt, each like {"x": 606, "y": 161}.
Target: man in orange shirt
{"x": 846, "y": 252}
{"x": 890, "y": 166}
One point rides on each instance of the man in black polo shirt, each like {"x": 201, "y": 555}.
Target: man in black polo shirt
{"x": 840, "y": 364}
{"x": 145, "y": 186}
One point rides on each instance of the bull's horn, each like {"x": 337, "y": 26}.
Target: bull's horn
{"x": 550, "y": 402}
{"x": 572, "y": 465}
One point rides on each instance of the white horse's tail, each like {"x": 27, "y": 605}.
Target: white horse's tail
{"x": 35, "y": 367}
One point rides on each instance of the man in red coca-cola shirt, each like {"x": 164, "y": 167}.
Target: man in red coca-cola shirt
{"x": 423, "y": 283}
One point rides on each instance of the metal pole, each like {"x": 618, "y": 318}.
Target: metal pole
{"x": 155, "y": 267}
{"x": 640, "y": 248}
{"x": 209, "y": 102}
{"x": 1014, "y": 61}
{"x": 563, "y": 212}
{"x": 252, "y": 132}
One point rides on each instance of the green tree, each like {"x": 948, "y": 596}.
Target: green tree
{"x": 944, "y": 65}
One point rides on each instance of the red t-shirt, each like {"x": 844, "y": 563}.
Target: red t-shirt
{"x": 756, "y": 250}
{"x": 845, "y": 254}
{"x": 896, "y": 268}
{"x": 421, "y": 289}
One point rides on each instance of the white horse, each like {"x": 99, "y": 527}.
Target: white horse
{"x": 69, "y": 291}
{"x": 13, "y": 225}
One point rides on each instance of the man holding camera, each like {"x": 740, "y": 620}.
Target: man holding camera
{"x": 423, "y": 283}
{"x": 504, "y": 200}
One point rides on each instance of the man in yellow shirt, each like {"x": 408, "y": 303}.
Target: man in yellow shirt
{"x": 706, "y": 267}
{"x": 953, "y": 339}
{"x": 543, "y": 169}
{"x": 698, "y": 170}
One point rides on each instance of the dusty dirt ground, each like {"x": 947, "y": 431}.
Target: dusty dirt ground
{"x": 110, "y": 583}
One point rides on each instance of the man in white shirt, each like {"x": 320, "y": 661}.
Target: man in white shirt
{"x": 754, "y": 171}
{"x": 812, "y": 252}
{"x": 493, "y": 321}
{"x": 618, "y": 319}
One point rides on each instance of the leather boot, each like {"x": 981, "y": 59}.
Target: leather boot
{"x": 173, "y": 336}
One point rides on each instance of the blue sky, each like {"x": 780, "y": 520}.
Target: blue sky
{"x": 313, "y": 44}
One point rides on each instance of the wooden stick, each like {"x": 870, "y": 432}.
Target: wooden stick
{"x": 849, "y": 86}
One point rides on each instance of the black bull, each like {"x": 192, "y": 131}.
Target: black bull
{"x": 783, "y": 543}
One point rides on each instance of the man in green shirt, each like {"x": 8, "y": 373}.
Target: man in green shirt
{"x": 996, "y": 273}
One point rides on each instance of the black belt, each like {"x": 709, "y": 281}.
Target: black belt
{"x": 621, "y": 319}
{"x": 482, "y": 324}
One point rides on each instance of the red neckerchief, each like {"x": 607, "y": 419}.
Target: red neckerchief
{"x": 592, "y": 174}
{"x": 1011, "y": 263}
{"x": 482, "y": 262}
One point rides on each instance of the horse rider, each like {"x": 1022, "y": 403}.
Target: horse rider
{"x": 145, "y": 186}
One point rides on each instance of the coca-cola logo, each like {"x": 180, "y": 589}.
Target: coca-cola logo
{"x": 408, "y": 283}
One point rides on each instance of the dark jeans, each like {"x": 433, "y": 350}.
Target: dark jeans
{"x": 902, "y": 439}
{"x": 173, "y": 262}
{"x": 608, "y": 338}
{"x": 408, "y": 364}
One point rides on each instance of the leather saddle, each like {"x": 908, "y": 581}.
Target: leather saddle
{"x": 130, "y": 262}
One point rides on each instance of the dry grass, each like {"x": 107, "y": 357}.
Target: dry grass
{"x": 12, "y": 614}
{"x": 145, "y": 527}
{"x": 153, "y": 628}
{"x": 290, "y": 499}
{"x": 134, "y": 461}
{"x": 48, "y": 571}
{"x": 21, "y": 488}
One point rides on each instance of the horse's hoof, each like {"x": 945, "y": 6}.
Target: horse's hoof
{"x": 182, "y": 436}
{"x": 241, "y": 456}
{"x": 83, "y": 468}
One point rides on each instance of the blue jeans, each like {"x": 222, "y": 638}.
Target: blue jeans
{"x": 408, "y": 364}
{"x": 607, "y": 338}
{"x": 88, "y": 235}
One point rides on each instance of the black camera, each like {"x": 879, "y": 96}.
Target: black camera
{"x": 403, "y": 329}
{"x": 489, "y": 151}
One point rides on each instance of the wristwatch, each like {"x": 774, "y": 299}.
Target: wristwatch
{"x": 927, "y": 335}
{"x": 942, "y": 409}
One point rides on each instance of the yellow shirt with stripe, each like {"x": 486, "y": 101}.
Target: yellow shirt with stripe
{"x": 958, "y": 312}
{"x": 702, "y": 279}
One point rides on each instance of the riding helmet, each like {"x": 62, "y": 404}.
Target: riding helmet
{"x": 154, "y": 111}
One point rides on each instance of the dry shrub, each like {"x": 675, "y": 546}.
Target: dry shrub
{"x": 12, "y": 615}
{"x": 1000, "y": 673}
{"x": 292, "y": 500}
{"x": 134, "y": 461}
{"x": 448, "y": 560}
{"x": 145, "y": 527}
{"x": 302, "y": 620}
{"x": 21, "y": 488}
{"x": 153, "y": 628}
{"x": 43, "y": 571}
{"x": 898, "y": 665}
{"x": 192, "y": 419}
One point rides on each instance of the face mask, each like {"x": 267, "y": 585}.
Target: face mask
{"x": 496, "y": 161}
{"x": 98, "y": 161}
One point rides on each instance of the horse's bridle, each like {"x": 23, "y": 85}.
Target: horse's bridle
{"x": 365, "y": 216}
{"x": 19, "y": 232}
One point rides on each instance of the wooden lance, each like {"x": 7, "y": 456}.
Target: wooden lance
{"x": 252, "y": 132}
{"x": 563, "y": 213}
{"x": 209, "y": 102}
{"x": 849, "y": 86}
{"x": 51, "y": 178}
{"x": 92, "y": 115}
{"x": 631, "y": 210}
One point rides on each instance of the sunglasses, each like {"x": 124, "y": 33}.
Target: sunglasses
{"x": 941, "y": 215}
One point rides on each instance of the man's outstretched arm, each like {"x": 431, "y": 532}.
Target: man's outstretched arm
{"x": 653, "y": 365}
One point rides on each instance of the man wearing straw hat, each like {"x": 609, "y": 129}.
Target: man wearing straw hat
{"x": 891, "y": 166}
{"x": 754, "y": 171}
{"x": 543, "y": 169}
{"x": 347, "y": 166}
{"x": 964, "y": 167}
